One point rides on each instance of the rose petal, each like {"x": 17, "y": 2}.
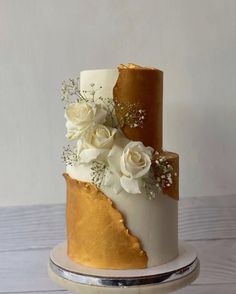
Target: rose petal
{"x": 130, "y": 185}
{"x": 144, "y": 170}
{"x": 79, "y": 146}
{"x": 112, "y": 180}
{"x": 114, "y": 158}
{"x": 72, "y": 132}
{"x": 108, "y": 179}
{"x": 88, "y": 155}
{"x": 117, "y": 186}
{"x": 75, "y": 131}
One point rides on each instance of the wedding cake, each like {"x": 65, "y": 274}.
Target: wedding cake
{"x": 122, "y": 187}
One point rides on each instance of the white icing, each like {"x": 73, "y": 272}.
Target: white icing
{"x": 100, "y": 77}
{"x": 154, "y": 222}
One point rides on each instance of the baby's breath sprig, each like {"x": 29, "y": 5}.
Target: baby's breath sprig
{"x": 151, "y": 186}
{"x": 92, "y": 92}
{"x": 160, "y": 176}
{"x": 164, "y": 172}
{"x": 70, "y": 89}
{"x": 98, "y": 171}
{"x": 130, "y": 114}
{"x": 69, "y": 155}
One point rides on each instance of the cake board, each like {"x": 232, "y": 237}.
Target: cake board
{"x": 166, "y": 278}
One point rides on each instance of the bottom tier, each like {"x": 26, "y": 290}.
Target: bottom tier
{"x": 118, "y": 231}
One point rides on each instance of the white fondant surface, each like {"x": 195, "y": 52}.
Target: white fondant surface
{"x": 100, "y": 77}
{"x": 154, "y": 222}
{"x": 187, "y": 254}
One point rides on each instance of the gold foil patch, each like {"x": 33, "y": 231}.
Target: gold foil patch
{"x": 96, "y": 233}
{"x": 143, "y": 86}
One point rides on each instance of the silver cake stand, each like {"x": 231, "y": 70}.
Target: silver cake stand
{"x": 165, "y": 278}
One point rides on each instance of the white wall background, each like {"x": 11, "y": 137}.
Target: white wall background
{"x": 43, "y": 42}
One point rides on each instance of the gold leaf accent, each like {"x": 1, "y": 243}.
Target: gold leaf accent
{"x": 96, "y": 233}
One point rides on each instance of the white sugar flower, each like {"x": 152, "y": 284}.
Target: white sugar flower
{"x": 81, "y": 116}
{"x": 130, "y": 164}
{"x": 136, "y": 160}
{"x": 97, "y": 141}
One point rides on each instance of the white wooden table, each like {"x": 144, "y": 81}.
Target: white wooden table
{"x": 28, "y": 233}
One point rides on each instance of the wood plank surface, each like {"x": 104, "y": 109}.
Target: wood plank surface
{"x": 43, "y": 292}
{"x": 194, "y": 289}
{"x": 207, "y": 289}
{"x": 31, "y": 227}
{"x": 28, "y": 268}
{"x": 43, "y": 226}
{"x": 206, "y": 218}
{"x": 28, "y": 233}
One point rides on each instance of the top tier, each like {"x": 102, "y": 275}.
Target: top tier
{"x": 132, "y": 85}
{"x": 144, "y": 87}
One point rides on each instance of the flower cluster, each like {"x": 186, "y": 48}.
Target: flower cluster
{"x": 100, "y": 144}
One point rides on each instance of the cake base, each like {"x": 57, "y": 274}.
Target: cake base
{"x": 165, "y": 278}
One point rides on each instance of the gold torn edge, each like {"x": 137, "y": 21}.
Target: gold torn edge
{"x": 133, "y": 66}
{"x": 96, "y": 234}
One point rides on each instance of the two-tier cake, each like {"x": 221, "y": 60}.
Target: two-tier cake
{"x": 122, "y": 188}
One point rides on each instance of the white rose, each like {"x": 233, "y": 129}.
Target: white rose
{"x": 98, "y": 140}
{"x": 81, "y": 116}
{"x": 130, "y": 164}
{"x": 135, "y": 161}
